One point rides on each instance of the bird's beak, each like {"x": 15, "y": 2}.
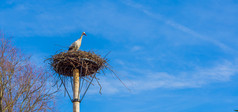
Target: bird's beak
{"x": 85, "y": 34}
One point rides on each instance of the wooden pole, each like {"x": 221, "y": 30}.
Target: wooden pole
{"x": 76, "y": 97}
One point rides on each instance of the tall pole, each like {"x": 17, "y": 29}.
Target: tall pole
{"x": 76, "y": 98}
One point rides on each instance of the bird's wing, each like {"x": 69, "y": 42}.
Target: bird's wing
{"x": 72, "y": 46}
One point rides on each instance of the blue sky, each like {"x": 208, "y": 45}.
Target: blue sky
{"x": 175, "y": 55}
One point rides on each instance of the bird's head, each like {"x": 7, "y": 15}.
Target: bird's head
{"x": 84, "y": 34}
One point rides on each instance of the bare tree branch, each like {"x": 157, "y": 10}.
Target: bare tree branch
{"x": 23, "y": 86}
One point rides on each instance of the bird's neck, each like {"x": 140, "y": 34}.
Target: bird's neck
{"x": 80, "y": 38}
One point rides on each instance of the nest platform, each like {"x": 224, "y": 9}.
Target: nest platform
{"x": 87, "y": 63}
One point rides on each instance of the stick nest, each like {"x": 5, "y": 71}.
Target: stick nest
{"x": 87, "y": 63}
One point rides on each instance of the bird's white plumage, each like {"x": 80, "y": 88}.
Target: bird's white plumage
{"x": 76, "y": 45}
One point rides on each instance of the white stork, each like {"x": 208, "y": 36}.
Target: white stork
{"x": 76, "y": 45}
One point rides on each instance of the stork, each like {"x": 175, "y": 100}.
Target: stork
{"x": 76, "y": 45}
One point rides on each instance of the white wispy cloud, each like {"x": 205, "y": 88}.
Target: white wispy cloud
{"x": 178, "y": 26}
{"x": 136, "y": 48}
{"x": 150, "y": 80}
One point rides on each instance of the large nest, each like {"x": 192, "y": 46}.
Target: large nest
{"x": 87, "y": 63}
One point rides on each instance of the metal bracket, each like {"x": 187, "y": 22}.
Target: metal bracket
{"x": 76, "y": 100}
